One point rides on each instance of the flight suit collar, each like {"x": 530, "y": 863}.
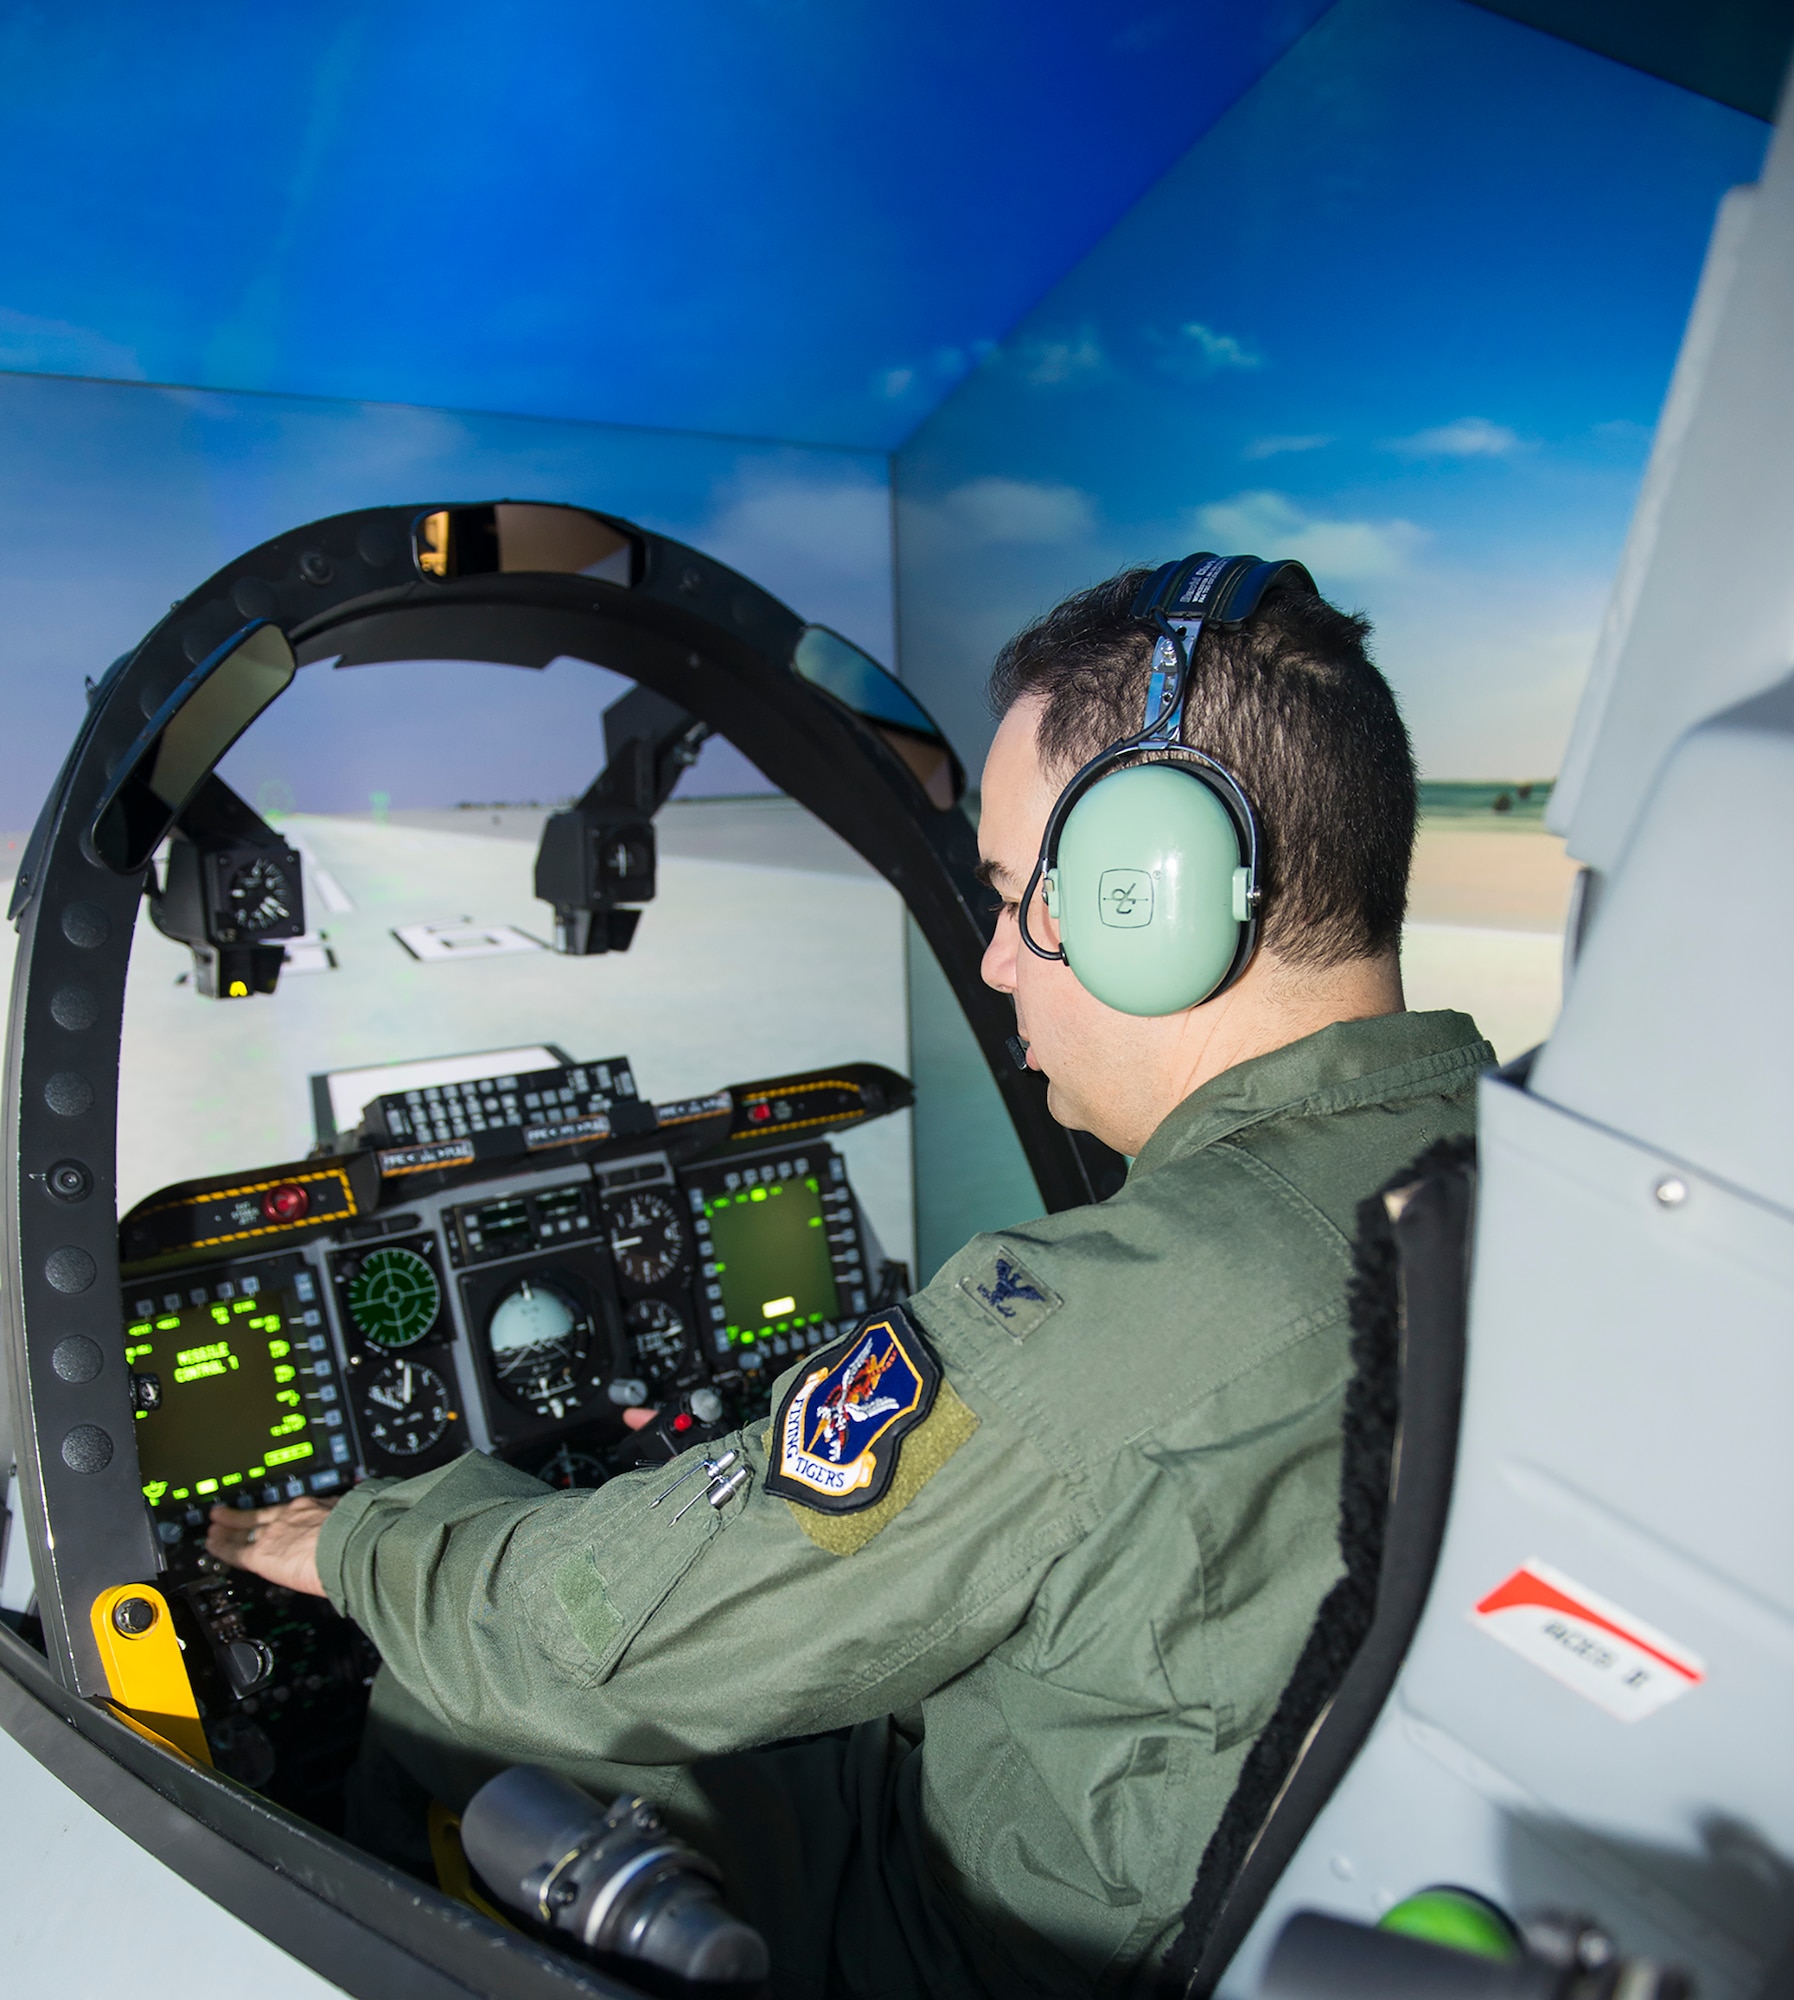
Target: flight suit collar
{"x": 1347, "y": 1065}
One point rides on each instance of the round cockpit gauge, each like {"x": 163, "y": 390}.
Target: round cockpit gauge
{"x": 568, "y": 1469}
{"x": 404, "y": 1408}
{"x": 259, "y": 896}
{"x": 656, "y": 1336}
{"x": 647, "y": 1238}
{"x": 541, "y": 1341}
{"x": 394, "y": 1297}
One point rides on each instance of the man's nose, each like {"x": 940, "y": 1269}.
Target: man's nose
{"x": 998, "y": 968}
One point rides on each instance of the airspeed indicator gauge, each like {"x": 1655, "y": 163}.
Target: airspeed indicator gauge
{"x": 394, "y": 1297}
{"x": 404, "y": 1408}
{"x": 647, "y": 1238}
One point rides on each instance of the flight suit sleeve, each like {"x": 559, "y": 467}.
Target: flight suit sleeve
{"x": 561, "y": 1626}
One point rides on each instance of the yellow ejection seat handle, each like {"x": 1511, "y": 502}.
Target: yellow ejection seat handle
{"x": 144, "y": 1667}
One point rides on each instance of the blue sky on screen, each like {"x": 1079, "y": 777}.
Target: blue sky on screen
{"x": 782, "y": 218}
{"x": 1406, "y": 312}
{"x": 116, "y": 499}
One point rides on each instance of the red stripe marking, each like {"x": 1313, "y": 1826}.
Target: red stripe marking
{"x": 1523, "y": 1588}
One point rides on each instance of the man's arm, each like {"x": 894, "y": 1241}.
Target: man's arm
{"x": 557, "y": 1626}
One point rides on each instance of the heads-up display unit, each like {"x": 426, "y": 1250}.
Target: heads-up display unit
{"x": 779, "y": 1244}
{"x": 233, "y": 1387}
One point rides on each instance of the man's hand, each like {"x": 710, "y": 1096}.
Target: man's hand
{"x": 280, "y": 1543}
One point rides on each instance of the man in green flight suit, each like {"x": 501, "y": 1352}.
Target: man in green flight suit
{"x": 956, "y": 1709}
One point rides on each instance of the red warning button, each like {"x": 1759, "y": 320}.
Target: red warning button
{"x": 287, "y": 1203}
{"x": 1587, "y": 1642}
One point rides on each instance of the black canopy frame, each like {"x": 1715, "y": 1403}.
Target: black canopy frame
{"x": 349, "y": 589}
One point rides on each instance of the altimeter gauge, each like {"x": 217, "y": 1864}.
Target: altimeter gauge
{"x": 647, "y": 1237}
{"x": 404, "y": 1407}
{"x": 541, "y": 1342}
{"x": 394, "y": 1297}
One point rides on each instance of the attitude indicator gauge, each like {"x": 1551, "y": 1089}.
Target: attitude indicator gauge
{"x": 647, "y": 1238}
{"x": 542, "y": 1343}
{"x": 394, "y": 1297}
{"x": 404, "y": 1408}
{"x": 656, "y": 1337}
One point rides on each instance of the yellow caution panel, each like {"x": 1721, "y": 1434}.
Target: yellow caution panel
{"x": 144, "y": 1667}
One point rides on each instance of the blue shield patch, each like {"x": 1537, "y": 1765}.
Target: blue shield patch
{"x": 840, "y": 1428}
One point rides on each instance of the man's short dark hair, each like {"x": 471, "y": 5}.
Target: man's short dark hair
{"x": 1292, "y": 705}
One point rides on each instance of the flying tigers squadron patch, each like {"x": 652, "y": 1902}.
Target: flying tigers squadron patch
{"x": 837, "y": 1435}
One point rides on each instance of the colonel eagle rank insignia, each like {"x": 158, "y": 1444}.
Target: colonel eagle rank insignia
{"x": 838, "y": 1433}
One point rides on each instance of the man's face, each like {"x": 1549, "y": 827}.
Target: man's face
{"x": 1097, "y": 1062}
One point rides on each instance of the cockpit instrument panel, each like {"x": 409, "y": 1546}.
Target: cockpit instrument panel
{"x": 520, "y": 1290}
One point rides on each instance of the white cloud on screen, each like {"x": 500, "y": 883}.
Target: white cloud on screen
{"x": 815, "y": 534}
{"x": 1219, "y": 350}
{"x": 1467, "y": 437}
{"x": 1020, "y": 513}
{"x": 1052, "y": 363}
{"x": 1337, "y": 551}
{"x": 1277, "y": 447}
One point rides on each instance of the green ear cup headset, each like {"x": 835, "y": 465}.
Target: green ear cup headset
{"x": 1150, "y": 859}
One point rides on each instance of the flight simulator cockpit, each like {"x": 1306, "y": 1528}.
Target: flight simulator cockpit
{"x": 528, "y": 1250}
{"x": 512, "y": 1250}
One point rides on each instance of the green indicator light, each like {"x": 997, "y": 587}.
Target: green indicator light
{"x": 720, "y": 1269}
{"x": 180, "y": 1493}
{"x": 287, "y": 1454}
{"x": 812, "y": 1183}
{"x": 258, "y": 1472}
{"x": 815, "y": 1221}
{"x": 759, "y": 1194}
{"x": 140, "y": 1415}
{"x": 153, "y": 1490}
{"x": 206, "y": 1486}
{"x": 232, "y": 1479}
{"x": 747, "y": 1340}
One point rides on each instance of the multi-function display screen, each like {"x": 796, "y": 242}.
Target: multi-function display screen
{"x": 770, "y": 1248}
{"x": 221, "y": 1386}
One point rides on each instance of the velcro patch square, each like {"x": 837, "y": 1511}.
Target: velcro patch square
{"x": 1006, "y": 1291}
